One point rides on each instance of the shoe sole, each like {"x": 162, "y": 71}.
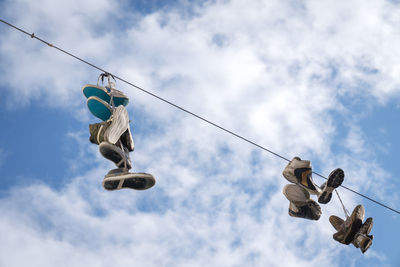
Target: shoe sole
{"x": 115, "y": 154}
{"x": 137, "y": 181}
{"x": 120, "y": 122}
{"x": 296, "y": 194}
{"x": 336, "y": 222}
{"x": 335, "y": 179}
{"x": 99, "y": 108}
{"x": 92, "y": 90}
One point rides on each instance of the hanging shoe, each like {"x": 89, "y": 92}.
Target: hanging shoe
{"x": 99, "y": 108}
{"x": 119, "y": 124}
{"x": 300, "y": 203}
{"x": 336, "y": 222}
{"x": 104, "y": 93}
{"x": 363, "y": 242}
{"x": 346, "y": 230}
{"x": 362, "y": 239}
{"x": 115, "y": 154}
{"x": 121, "y": 178}
{"x": 127, "y": 140}
{"x": 299, "y": 171}
{"x": 366, "y": 228}
{"x": 97, "y": 131}
{"x": 335, "y": 179}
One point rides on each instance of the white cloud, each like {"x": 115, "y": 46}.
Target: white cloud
{"x": 273, "y": 72}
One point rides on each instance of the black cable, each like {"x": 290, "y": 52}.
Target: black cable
{"x": 187, "y": 111}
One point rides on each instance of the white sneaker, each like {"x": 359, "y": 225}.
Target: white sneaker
{"x": 119, "y": 124}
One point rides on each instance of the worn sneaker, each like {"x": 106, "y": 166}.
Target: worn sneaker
{"x": 121, "y": 178}
{"x": 300, "y": 203}
{"x": 362, "y": 239}
{"x": 99, "y": 108}
{"x": 127, "y": 140}
{"x": 336, "y": 222}
{"x": 335, "y": 179}
{"x": 104, "y": 93}
{"x": 346, "y": 230}
{"x": 367, "y": 226}
{"x": 97, "y": 131}
{"x": 363, "y": 242}
{"x": 115, "y": 154}
{"x": 119, "y": 124}
{"x": 299, "y": 171}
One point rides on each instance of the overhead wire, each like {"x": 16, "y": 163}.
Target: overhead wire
{"x": 32, "y": 35}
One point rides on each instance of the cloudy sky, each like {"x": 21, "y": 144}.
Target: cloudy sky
{"x": 317, "y": 79}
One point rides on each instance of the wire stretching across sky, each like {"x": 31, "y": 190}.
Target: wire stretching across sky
{"x": 187, "y": 111}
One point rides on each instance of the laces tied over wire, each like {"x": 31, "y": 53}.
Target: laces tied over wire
{"x": 109, "y": 87}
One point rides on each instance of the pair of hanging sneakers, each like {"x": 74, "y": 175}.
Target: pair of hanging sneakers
{"x": 299, "y": 172}
{"x": 353, "y": 230}
{"x": 114, "y": 137}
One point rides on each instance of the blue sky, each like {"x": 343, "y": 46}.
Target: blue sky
{"x": 317, "y": 79}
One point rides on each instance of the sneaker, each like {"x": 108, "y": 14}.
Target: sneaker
{"x": 346, "y": 230}
{"x": 335, "y": 179}
{"x": 301, "y": 205}
{"x": 299, "y": 172}
{"x": 104, "y": 93}
{"x": 99, "y": 108}
{"x": 119, "y": 124}
{"x": 365, "y": 242}
{"x": 362, "y": 239}
{"x": 97, "y": 131}
{"x": 127, "y": 140}
{"x": 336, "y": 222}
{"x": 121, "y": 178}
{"x": 115, "y": 154}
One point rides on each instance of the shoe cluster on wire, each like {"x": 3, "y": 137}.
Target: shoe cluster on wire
{"x": 299, "y": 173}
{"x": 114, "y": 138}
{"x": 113, "y": 135}
{"x": 352, "y": 230}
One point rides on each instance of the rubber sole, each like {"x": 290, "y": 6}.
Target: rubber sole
{"x": 99, "y": 108}
{"x": 93, "y": 90}
{"x": 335, "y": 179}
{"x": 137, "y": 181}
{"x": 296, "y": 194}
{"x": 115, "y": 154}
